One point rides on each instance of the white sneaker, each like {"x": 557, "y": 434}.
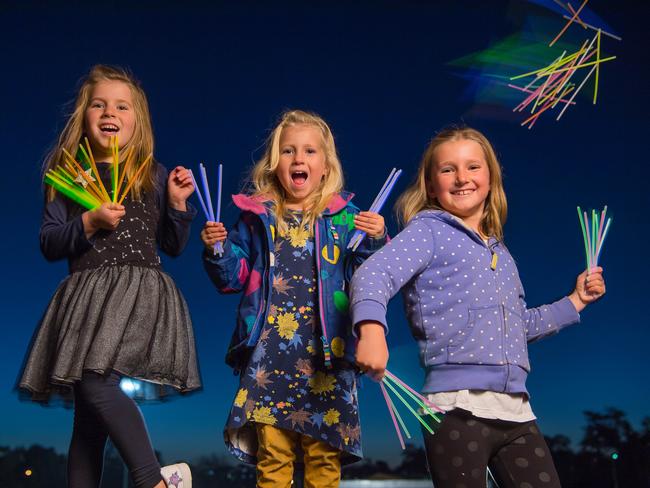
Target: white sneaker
{"x": 177, "y": 475}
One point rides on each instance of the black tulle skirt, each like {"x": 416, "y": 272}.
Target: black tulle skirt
{"x": 128, "y": 319}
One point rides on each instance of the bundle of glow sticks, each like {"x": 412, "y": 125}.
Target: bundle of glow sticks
{"x": 593, "y": 234}
{"x": 84, "y": 185}
{"x": 393, "y": 383}
{"x": 552, "y": 84}
{"x": 208, "y": 210}
{"x": 376, "y": 206}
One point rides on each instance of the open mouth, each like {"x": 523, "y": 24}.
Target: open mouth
{"x": 109, "y": 129}
{"x": 299, "y": 177}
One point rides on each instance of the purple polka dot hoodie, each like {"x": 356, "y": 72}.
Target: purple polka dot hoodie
{"x": 464, "y": 303}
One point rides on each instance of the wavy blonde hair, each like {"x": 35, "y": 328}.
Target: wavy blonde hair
{"x": 265, "y": 183}
{"x": 417, "y": 198}
{"x": 73, "y": 132}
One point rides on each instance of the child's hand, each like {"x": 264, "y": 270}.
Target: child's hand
{"x": 370, "y": 222}
{"x": 179, "y": 188}
{"x": 372, "y": 351}
{"x": 212, "y": 233}
{"x": 589, "y": 288}
{"x": 107, "y": 216}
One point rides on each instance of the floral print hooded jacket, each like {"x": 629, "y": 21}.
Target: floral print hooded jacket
{"x": 247, "y": 266}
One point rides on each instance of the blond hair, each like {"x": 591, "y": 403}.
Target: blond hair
{"x": 73, "y": 132}
{"x": 266, "y": 185}
{"x": 417, "y": 198}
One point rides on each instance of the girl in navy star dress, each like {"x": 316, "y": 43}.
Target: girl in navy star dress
{"x": 117, "y": 315}
{"x": 292, "y": 347}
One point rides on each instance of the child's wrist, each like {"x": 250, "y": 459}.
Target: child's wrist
{"x": 179, "y": 204}
{"x": 371, "y": 328}
{"x": 577, "y": 302}
{"x": 88, "y": 221}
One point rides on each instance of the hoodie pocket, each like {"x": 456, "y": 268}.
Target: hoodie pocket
{"x": 480, "y": 340}
{"x": 516, "y": 344}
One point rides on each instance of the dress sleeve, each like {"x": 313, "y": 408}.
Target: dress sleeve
{"x": 62, "y": 232}
{"x": 231, "y": 271}
{"x": 173, "y": 225}
{"x": 367, "y": 247}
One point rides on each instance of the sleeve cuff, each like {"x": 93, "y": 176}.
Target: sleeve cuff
{"x": 376, "y": 243}
{"x": 368, "y": 310}
{"x": 565, "y": 313}
{"x": 187, "y": 215}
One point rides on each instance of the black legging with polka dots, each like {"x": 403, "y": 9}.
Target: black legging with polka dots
{"x": 464, "y": 446}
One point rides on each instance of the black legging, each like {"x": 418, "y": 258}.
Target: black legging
{"x": 103, "y": 410}
{"x": 464, "y": 446}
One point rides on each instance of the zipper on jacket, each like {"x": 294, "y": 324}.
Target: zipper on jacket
{"x": 495, "y": 256}
{"x": 265, "y": 279}
{"x": 493, "y": 262}
{"x": 327, "y": 352}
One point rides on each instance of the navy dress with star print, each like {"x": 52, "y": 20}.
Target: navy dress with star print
{"x": 285, "y": 383}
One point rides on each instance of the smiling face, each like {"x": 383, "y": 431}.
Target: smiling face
{"x": 302, "y": 164}
{"x": 110, "y": 112}
{"x": 460, "y": 180}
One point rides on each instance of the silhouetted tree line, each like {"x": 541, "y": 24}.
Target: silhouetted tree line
{"x": 611, "y": 454}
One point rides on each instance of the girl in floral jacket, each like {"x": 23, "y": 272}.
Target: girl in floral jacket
{"x": 292, "y": 346}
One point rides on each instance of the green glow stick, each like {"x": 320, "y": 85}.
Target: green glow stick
{"x": 396, "y": 412}
{"x": 85, "y": 156}
{"x": 583, "y": 65}
{"x": 597, "y": 67}
{"x": 584, "y": 235}
{"x": 403, "y": 400}
{"x": 70, "y": 184}
{"x": 63, "y": 174}
{"x": 72, "y": 193}
{"x": 415, "y": 398}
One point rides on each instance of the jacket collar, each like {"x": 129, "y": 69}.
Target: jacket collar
{"x": 455, "y": 222}
{"x": 260, "y": 205}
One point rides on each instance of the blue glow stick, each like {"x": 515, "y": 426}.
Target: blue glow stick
{"x": 600, "y": 244}
{"x": 206, "y": 190}
{"x": 358, "y": 235}
{"x": 375, "y": 208}
{"x": 383, "y": 188}
{"x": 377, "y": 205}
{"x": 220, "y": 179}
{"x": 354, "y": 241}
{"x": 198, "y": 194}
{"x": 385, "y": 195}
{"x": 206, "y": 210}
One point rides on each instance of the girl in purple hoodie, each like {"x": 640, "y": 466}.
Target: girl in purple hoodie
{"x": 465, "y": 306}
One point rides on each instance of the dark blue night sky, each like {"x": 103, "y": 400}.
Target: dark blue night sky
{"x": 217, "y": 75}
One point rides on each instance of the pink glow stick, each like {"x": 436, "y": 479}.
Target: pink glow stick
{"x": 530, "y": 91}
{"x": 601, "y": 226}
{"x": 423, "y": 398}
{"x": 389, "y": 404}
{"x": 588, "y": 229}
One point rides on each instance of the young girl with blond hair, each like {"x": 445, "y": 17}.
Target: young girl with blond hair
{"x": 117, "y": 315}
{"x": 465, "y": 305}
{"x": 292, "y": 347}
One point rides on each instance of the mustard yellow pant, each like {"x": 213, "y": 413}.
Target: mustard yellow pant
{"x": 276, "y": 454}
